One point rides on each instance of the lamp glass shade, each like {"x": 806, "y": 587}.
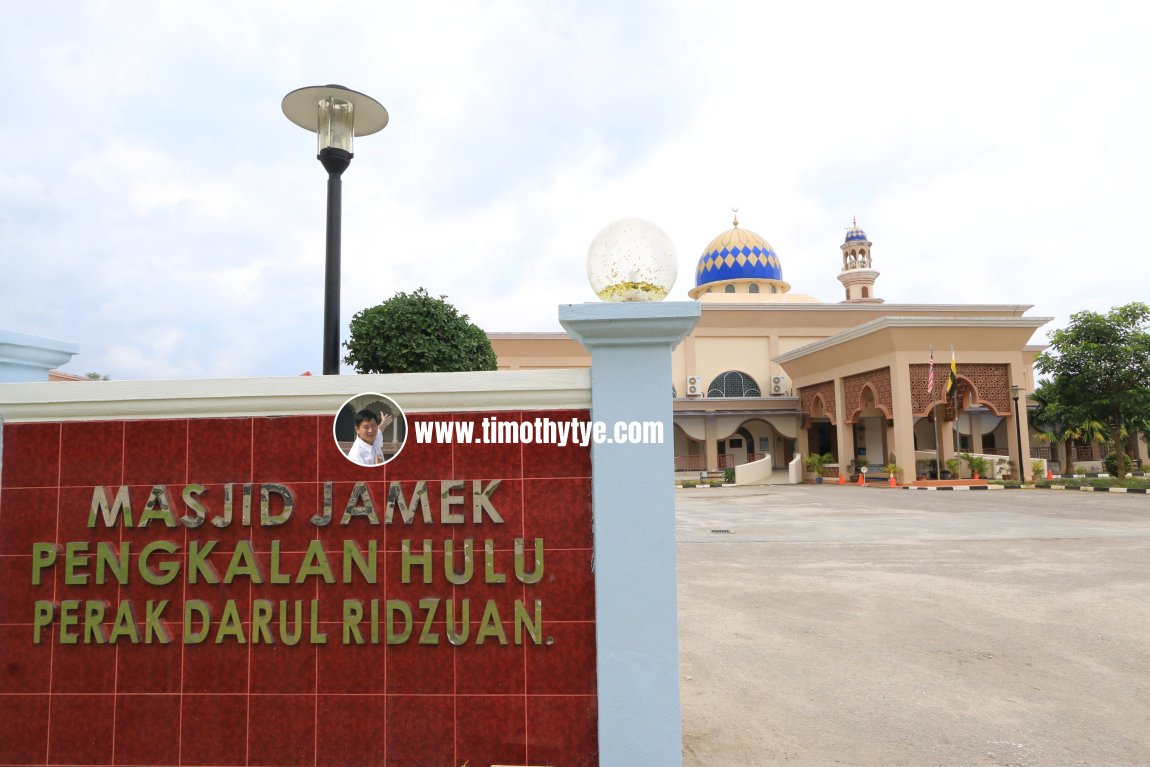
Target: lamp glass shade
{"x": 632, "y": 260}
{"x": 1015, "y": 392}
{"x": 336, "y": 124}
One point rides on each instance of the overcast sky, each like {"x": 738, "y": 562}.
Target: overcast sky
{"x": 158, "y": 209}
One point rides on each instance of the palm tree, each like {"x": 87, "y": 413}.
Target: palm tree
{"x": 1058, "y": 424}
{"x": 1088, "y": 431}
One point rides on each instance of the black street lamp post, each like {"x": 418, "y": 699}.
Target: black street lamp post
{"x": 1015, "y": 393}
{"x": 336, "y": 114}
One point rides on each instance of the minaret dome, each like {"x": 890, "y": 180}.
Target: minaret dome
{"x": 857, "y": 276}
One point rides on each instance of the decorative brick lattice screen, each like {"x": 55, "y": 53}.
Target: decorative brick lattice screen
{"x": 825, "y": 391}
{"x": 989, "y": 382}
{"x": 853, "y": 392}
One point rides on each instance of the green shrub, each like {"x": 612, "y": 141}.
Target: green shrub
{"x": 1110, "y": 464}
{"x": 817, "y": 462}
{"x": 416, "y": 333}
{"x": 977, "y": 464}
{"x": 1135, "y": 482}
{"x": 728, "y": 476}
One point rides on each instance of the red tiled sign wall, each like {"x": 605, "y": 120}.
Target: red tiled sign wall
{"x": 231, "y": 703}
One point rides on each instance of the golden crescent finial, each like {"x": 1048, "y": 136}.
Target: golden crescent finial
{"x": 736, "y": 221}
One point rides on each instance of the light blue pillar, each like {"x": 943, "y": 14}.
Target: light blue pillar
{"x": 29, "y": 358}
{"x": 637, "y": 622}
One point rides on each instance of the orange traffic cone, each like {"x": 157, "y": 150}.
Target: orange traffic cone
{"x": 842, "y": 478}
{"x": 891, "y": 480}
{"x": 1049, "y": 473}
{"x": 862, "y": 479}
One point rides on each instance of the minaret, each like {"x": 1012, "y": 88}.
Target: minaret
{"x": 857, "y": 275}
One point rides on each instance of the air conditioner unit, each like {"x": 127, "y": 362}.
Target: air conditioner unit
{"x": 694, "y": 386}
{"x": 778, "y": 385}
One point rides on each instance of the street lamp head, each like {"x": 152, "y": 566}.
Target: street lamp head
{"x": 1015, "y": 392}
{"x": 336, "y": 114}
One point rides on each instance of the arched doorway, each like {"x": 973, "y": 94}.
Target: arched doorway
{"x": 822, "y": 436}
{"x": 869, "y": 425}
{"x": 690, "y": 447}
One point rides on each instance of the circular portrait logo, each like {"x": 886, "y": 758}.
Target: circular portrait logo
{"x": 370, "y": 429}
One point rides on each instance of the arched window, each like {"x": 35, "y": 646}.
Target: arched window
{"x": 774, "y": 289}
{"x": 729, "y": 289}
{"x": 754, "y": 287}
{"x": 866, "y": 292}
{"x": 733, "y": 383}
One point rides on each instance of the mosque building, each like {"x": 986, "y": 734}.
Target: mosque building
{"x": 770, "y": 372}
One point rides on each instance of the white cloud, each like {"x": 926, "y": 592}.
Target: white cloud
{"x": 157, "y": 208}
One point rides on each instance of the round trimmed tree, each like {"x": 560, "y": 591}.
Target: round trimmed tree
{"x": 1100, "y": 365}
{"x": 416, "y": 333}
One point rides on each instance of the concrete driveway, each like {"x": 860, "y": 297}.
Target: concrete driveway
{"x": 839, "y": 625}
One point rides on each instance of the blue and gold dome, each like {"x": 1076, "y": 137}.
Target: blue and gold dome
{"x": 854, "y": 234}
{"x": 738, "y": 254}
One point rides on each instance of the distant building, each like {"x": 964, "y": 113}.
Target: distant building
{"x": 769, "y": 371}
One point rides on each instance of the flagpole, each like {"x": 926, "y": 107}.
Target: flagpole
{"x": 937, "y": 441}
{"x": 953, "y": 376}
{"x": 937, "y": 425}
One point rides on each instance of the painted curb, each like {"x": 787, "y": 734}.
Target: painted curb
{"x": 959, "y": 488}
{"x": 1089, "y": 489}
{"x": 1084, "y": 488}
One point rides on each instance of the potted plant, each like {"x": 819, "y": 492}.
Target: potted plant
{"x": 976, "y": 464}
{"x": 952, "y": 467}
{"x": 817, "y": 463}
{"x": 1037, "y": 470}
{"x": 979, "y": 467}
{"x": 892, "y": 469}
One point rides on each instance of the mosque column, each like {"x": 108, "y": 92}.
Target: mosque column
{"x": 712, "y": 443}
{"x": 802, "y": 439}
{"x": 902, "y": 432}
{"x": 845, "y": 433}
{"x": 946, "y": 431}
{"x": 975, "y": 432}
{"x": 1022, "y": 426}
